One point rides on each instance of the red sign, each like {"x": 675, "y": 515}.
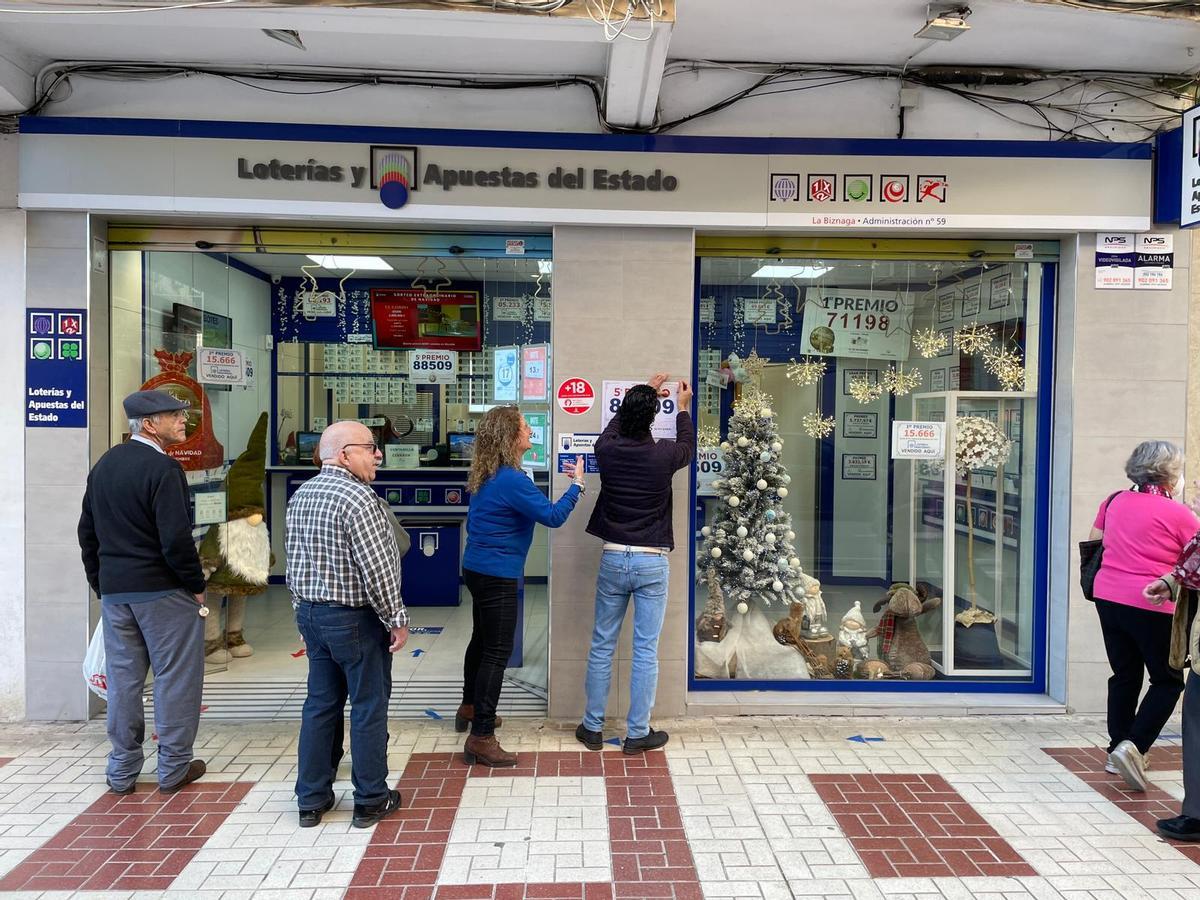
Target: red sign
{"x": 576, "y": 396}
{"x": 439, "y": 320}
{"x": 533, "y": 373}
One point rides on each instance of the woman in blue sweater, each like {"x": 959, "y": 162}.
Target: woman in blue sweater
{"x": 505, "y": 505}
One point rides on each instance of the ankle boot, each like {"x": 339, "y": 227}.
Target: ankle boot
{"x": 466, "y": 715}
{"x": 486, "y": 750}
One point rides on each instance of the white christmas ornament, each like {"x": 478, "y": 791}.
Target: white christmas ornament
{"x": 761, "y": 484}
{"x": 734, "y": 501}
{"x": 743, "y": 607}
{"x": 787, "y": 479}
{"x": 748, "y": 555}
{"x": 716, "y": 552}
{"x": 742, "y": 441}
{"x": 742, "y": 532}
{"x": 791, "y": 535}
{"x": 794, "y": 563}
{"x": 770, "y": 538}
{"x": 725, "y": 445}
{"x": 777, "y": 446}
{"x": 765, "y": 456}
{"x": 782, "y": 492}
{"x": 706, "y": 531}
{"x": 777, "y": 586}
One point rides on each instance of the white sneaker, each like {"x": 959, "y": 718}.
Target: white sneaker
{"x": 1130, "y": 765}
{"x": 1111, "y": 768}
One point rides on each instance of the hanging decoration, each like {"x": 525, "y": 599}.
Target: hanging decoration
{"x": 817, "y": 426}
{"x": 899, "y": 382}
{"x": 739, "y": 325}
{"x": 783, "y": 316}
{"x": 864, "y": 390}
{"x": 930, "y": 342}
{"x": 973, "y": 339}
{"x": 754, "y": 365}
{"x": 1007, "y": 366}
{"x": 805, "y": 373}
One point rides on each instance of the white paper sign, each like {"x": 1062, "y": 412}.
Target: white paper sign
{"x": 210, "y": 508}
{"x": 1155, "y": 262}
{"x": 857, "y": 323}
{"x": 918, "y": 440}
{"x": 710, "y": 463}
{"x": 401, "y": 456}
{"x": 514, "y": 247}
{"x": 708, "y": 309}
{"x": 506, "y": 374}
{"x": 759, "y": 310}
{"x": 319, "y": 304}
{"x": 577, "y": 443}
{"x": 215, "y": 366}
{"x": 542, "y": 308}
{"x": 508, "y": 309}
{"x": 433, "y": 366}
{"x": 668, "y": 406}
{"x": 1114, "y": 261}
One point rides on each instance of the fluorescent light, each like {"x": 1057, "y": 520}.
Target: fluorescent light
{"x": 792, "y": 271}
{"x": 346, "y": 263}
{"x": 545, "y": 266}
{"x": 288, "y": 36}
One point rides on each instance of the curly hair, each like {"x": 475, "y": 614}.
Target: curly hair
{"x": 1155, "y": 462}
{"x": 495, "y": 445}
{"x": 637, "y": 412}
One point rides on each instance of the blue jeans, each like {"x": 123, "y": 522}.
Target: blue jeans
{"x": 645, "y": 576}
{"x": 348, "y": 657}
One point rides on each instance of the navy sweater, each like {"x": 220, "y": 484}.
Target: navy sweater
{"x": 634, "y": 506}
{"x": 500, "y": 522}
{"x": 135, "y": 530}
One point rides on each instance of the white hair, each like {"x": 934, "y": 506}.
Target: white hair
{"x": 1155, "y": 462}
{"x": 336, "y": 436}
{"x": 136, "y": 424}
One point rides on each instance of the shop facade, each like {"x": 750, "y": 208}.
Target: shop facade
{"x": 863, "y": 294}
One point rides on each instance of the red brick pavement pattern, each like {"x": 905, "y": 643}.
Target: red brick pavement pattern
{"x": 138, "y": 842}
{"x": 1146, "y": 808}
{"x": 5, "y": 760}
{"x": 650, "y": 853}
{"x": 916, "y": 826}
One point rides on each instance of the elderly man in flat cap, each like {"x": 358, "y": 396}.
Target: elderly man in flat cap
{"x": 136, "y": 536}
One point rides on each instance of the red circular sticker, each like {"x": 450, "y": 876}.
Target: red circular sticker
{"x": 576, "y": 396}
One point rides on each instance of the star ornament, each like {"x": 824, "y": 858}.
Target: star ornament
{"x": 754, "y": 364}
{"x": 930, "y": 342}
{"x": 807, "y": 372}
{"x": 974, "y": 338}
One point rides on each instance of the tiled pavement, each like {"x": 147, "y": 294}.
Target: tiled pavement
{"x": 989, "y": 807}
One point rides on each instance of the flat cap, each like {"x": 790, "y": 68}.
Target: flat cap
{"x": 147, "y": 403}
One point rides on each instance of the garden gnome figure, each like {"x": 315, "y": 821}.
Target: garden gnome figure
{"x": 236, "y": 554}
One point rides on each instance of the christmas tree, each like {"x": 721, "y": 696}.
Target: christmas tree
{"x": 750, "y": 541}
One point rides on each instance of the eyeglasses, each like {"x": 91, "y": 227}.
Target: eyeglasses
{"x": 373, "y": 446}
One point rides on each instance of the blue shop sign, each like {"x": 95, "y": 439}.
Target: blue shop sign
{"x": 56, "y": 371}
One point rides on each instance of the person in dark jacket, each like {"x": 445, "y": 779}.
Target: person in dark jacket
{"x": 633, "y": 518}
{"x": 505, "y": 505}
{"x": 135, "y": 532}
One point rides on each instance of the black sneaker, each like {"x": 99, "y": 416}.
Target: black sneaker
{"x": 593, "y": 740}
{"x": 1180, "y": 828}
{"x": 311, "y": 818}
{"x": 366, "y": 816}
{"x": 651, "y": 741}
{"x": 124, "y": 792}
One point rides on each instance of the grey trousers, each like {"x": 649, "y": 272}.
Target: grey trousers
{"x": 166, "y": 635}
{"x": 1191, "y": 746}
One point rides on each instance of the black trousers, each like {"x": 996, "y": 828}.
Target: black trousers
{"x": 1138, "y": 641}
{"x": 494, "y": 614}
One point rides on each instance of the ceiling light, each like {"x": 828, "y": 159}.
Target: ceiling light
{"x": 286, "y": 36}
{"x": 345, "y": 263}
{"x": 792, "y": 271}
{"x": 545, "y": 266}
{"x": 944, "y": 25}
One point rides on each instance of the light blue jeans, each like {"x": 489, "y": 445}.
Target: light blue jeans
{"x": 644, "y": 576}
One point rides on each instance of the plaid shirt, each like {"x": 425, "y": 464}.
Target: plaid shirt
{"x": 341, "y": 547}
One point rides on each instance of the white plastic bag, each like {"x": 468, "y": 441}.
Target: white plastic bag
{"x": 93, "y": 664}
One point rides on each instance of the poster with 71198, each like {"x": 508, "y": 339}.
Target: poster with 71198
{"x": 668, "y": 406}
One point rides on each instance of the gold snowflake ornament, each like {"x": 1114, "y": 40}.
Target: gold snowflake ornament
{"x": 708, "y": 436}
{"x": 807, "y": 372}
{"x": 753, "y": 364}
{"x": 817, "y": 426}
{"x": 1007, "y": 366}
{"x": 930, "y": 342}
{"x": 864, "y": 390}
{"x": 974, "y": 338}
{"x": 900, "y": 382}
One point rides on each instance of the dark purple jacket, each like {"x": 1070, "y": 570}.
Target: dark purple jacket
{"x": 634, "y": 506}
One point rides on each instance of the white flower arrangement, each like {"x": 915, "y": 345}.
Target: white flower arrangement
{"x": 979, "y": 444}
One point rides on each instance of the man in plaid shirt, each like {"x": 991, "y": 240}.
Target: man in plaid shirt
{"x": 343, "y": 570}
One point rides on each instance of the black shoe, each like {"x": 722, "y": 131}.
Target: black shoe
{"x": 1180, "y": 828}
{"x": 651, "y": 741}
{"x": 122, "y": 791}
{"x": 195, "y": 769}
{"x": 310, "y": 818}
{"x": 593, "y": 740}
{"x": 366, "y": 816}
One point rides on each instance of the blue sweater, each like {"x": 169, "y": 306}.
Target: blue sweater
{"x": 501, "y": 518}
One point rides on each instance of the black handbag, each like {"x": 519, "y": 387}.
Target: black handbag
{"x": 1091, "y": 555}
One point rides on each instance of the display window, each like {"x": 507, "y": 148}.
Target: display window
{"x": 270, "y": 336}
{"x": 869, "y": 481}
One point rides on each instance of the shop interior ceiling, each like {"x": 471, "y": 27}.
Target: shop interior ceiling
{"x": 624, "y": 65}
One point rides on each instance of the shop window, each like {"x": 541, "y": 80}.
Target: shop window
{"x": 867, "y": 473}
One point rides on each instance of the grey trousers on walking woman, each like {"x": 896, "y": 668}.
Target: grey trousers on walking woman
{"x": 166, "y": 635}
